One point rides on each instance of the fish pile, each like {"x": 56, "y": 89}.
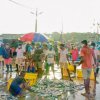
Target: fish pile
{"x": 6, "y": 96}
{"x": 2, "y": 83}
{"x": 54, "y": 88}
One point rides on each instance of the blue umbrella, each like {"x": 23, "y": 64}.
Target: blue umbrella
{"x": 39, "y": 37}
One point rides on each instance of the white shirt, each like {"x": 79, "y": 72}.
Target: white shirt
{"x": 97, "y": 53}
{"x": 50, "y": 56}
{"x": 32, "y": 51}
{"x": 24, "y": 47}
{"x": 20, "y": 53}
{"x": 63, "y": 54}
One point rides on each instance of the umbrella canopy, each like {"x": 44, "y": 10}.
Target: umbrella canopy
{"x": 34, "y": 37}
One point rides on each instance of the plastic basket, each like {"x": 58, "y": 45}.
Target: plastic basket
{"x": 64, "y": 71}
{"x": 29, "y": 77}
{"x": 79, "y": 74}
{"x": 71, "y": 67}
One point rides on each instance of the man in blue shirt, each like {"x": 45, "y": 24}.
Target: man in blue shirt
{"x": 18, "y": 84}
{"x": 1, "y": 57}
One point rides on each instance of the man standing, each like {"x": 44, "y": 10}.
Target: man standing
{"x": 7, "y": 55}
{"x": 37, "y": 58}
{"x": 50, "y": 59}
{"x": 63, "y": 59}
{"x": 74, "y": 53}
{"x": 86, "y": 61}
{"x": 95, "y": 53}
{"x": 19, "y": 58}
{"x": 1, "y": 57}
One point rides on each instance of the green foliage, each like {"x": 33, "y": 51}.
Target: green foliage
{"x": 74, "y": 37}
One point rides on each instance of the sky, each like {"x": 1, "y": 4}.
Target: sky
{"x": 57, "y": 15}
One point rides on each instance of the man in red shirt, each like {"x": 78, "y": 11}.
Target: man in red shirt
{"x": 86, "y": 61}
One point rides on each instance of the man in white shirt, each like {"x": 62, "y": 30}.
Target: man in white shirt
{"x": 24, "y": 47}
{"x": 50, "y": 59}
{"x": 63, "y": 59}
{"x": 19, "y": 57}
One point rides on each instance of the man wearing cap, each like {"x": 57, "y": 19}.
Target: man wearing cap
{"x": 86, "y": 61}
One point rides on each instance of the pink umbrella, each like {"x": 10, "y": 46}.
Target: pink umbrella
{"x": 34, "y": 37}
{"x": 27, "y": 37}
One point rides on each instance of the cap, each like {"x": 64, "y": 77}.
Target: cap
{"x": 93, "y": 44}
{"x": 84, "y": 42}
{"x": 62, "y": 45}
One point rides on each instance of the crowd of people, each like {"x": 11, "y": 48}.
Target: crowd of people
{"x": 38, "y": 57}
{"x": 31, "y": 57}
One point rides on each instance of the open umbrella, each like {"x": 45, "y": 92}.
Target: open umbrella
{"x": 34, "y": 37}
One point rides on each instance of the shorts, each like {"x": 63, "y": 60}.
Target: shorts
{"x": 19, "y": 61}
{"x": 15, "y": 89}
{"x": 8, "y": 61}
{"x": 86, "y": 73}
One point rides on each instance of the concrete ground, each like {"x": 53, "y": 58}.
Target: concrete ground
{"x": 70, "y": 96}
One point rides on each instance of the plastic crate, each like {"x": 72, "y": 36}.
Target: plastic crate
{"x": 31, "y": 78}
{"x": 9, "y": 83}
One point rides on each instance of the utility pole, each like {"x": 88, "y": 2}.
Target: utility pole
{"x": 98, "y": 26}
{"x": 61, "y": 38}
{"x": 36, "y": 16}
{"x": 36, "y": 13}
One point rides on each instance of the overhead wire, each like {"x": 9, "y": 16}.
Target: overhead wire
{"x": 25, "y": 6}
{"x": 22, "y": 5}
